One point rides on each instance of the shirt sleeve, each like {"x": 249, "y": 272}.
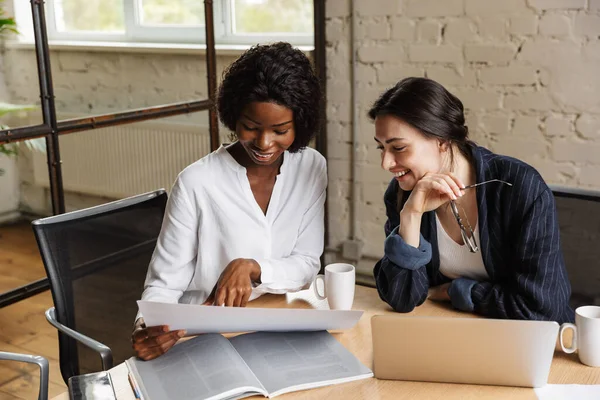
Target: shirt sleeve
{"x": 173, "y": 262}
{"x": 539, "y": 288}
{"x": 298, "y": 270}
{"x": 401, "y": 275}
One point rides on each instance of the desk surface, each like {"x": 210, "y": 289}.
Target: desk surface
{"x": 565, "y": 368}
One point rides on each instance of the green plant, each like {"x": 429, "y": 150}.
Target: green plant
{"x": 8, "y": 24}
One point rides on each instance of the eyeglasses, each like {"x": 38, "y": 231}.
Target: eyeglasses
{"x": 471, "y": 242}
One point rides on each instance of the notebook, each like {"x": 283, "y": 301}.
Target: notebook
{"x": 211, "y": 366}
{"x": 463, "y": 350}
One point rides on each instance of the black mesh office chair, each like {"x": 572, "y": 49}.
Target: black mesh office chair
{"x": 40, "y": 361}
{"x": 579, "y": 220}
{"x": 96, "y": 260}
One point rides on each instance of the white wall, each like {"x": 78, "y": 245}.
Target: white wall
{"x": 526, "y": 70}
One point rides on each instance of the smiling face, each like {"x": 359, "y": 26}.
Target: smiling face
{"x": 406, "y": 152}
{"x": 265, "y": 130}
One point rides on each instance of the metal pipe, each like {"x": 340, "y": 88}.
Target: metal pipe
{"x": 321, "y": 71}
{"x": 48, "y": 106}
{"x": 355, "y": 189}
{"x": 104, "y": 120}
{"x": 128, "y": 117}
{"x": 24, "y": 292}
{"x": 24, "y": 133}
{"x": 211, "y": 74}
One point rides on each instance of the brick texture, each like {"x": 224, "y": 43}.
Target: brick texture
{"x": 525, "y": 70}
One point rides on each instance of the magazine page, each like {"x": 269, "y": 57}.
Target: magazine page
{"x": 205, "y": 367}
{"x": 289, "y": 361}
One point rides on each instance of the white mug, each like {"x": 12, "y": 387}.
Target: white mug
{"x": 586, "y": 335}
{"x": 338, "y": 286}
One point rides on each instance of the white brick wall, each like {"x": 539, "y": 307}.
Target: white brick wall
{"x": 557, "y": 4}
{"x": 523, "y": 25}
{"x": 500, "y": 54}
{"x": 555, "y": 25}
{"x": 432, "y": 53}
{"x": 526, "y": 71}
{"x": 433, "y": 8}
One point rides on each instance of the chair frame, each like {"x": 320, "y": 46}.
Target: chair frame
{"x": 54, "y": 316}
{"x": 576, "y": 193}
{"x": 40, "y": 361}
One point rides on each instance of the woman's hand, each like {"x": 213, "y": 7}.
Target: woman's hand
{"x": 234, "y": 287}
{"x": 439, "y": 293}
{"x": 432, "y": 191}
{"x": 151, "y": 342}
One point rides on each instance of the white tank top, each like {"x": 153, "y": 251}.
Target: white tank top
{"x": 456, "y": 260}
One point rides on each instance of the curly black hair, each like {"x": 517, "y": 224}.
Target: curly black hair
{"x": 275, "y": 73}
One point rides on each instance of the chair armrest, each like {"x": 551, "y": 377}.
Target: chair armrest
{"x": 40, "y": 361}
{"x": 102, "y": 349}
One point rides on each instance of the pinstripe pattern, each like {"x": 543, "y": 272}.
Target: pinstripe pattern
{"x": 520, "y": 245}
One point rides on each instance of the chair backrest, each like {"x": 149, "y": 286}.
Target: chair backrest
{"x": 96, "y": 260}
{"x": 579, "y": 220}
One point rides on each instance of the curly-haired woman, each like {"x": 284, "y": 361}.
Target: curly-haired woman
{"x": 248, "y": 218}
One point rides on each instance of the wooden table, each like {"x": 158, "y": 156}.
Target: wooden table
{"x": 566, "y": 368}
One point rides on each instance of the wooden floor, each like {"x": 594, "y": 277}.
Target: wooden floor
{"x": 23, "y": 327}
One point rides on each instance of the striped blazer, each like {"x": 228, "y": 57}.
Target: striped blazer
{"x": 519, "y": 241}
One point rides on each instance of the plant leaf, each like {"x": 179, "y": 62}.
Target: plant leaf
{"x": 8, "y": 149}
{"x": 6, "y": 108}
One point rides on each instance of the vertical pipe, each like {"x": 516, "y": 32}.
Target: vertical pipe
{"x": 355, "y": 189}
{"x": 321, "y": 70}
{"x": 211, "y": 73}
{"x": 48, "y": 106}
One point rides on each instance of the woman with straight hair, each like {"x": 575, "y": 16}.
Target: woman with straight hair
{"x": 464, "y": 225}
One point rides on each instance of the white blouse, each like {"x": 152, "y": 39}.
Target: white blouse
{"x": 456, "y": 260}
{"x": 213, "y": 218}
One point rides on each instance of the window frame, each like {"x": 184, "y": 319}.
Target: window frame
{"x": 137, "y": 33}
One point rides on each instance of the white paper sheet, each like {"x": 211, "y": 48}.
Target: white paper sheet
{"x": 568, "y": 392}
{"x": 197, "y": 319}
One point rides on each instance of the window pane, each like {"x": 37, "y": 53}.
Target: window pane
{"x": 172, "y": 12}
{"x": 272, "y": 16}
{"x": 90, "y": 15}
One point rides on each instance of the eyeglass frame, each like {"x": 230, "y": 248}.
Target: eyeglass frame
{"x": 470, "y": 242}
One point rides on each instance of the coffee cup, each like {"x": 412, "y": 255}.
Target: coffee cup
{"x": 338, "y": 286}
{"x": 586, "y": 335}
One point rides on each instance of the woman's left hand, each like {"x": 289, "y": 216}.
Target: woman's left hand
{"x": 440, "y": 293}
{"x": 234, "y": 287}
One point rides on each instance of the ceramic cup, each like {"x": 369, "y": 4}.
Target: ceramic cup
{"x": 338, "y": 285}
{"x": 586, "y": 335}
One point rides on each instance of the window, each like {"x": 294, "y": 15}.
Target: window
{"x": 180, "y": 21}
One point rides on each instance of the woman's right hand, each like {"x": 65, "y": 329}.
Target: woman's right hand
{"x": 432, "y": 191}
{"x": 151, "y": 342}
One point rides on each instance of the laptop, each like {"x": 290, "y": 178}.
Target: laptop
{"x": 463, "y": 350}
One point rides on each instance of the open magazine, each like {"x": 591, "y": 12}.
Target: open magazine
{"x": 211, "y": 366}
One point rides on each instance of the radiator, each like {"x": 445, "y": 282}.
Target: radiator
{"x": 125, "y": 160}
